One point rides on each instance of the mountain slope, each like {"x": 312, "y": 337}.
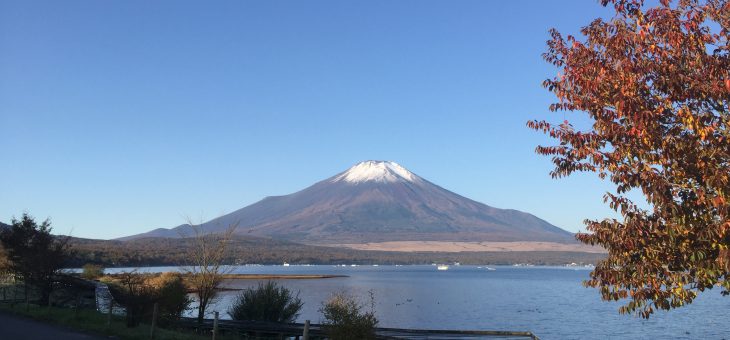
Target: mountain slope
{"x": 377, "y": 201}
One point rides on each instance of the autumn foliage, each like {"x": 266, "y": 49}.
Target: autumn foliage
{"x": 655, "y": 84}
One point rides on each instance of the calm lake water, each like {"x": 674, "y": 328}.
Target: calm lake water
{"x": 548, "y": 301}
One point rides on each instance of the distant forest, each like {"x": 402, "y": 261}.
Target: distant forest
{"x": 250, "y": 250}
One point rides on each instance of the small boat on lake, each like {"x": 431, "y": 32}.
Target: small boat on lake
{"x": 286, "y": 264}
{"x": 442, "y": 267}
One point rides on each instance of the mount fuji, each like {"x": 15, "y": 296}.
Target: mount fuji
{"x": 379, "y": 201}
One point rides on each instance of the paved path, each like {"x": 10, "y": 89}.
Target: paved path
{"x": 14, "y": 327}
{"x": 104, "y": 298}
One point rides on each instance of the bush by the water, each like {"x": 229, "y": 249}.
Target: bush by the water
{"x": 267, "y": 302}
{"x": 92, "y": 271}
{"x": 345, "y": 318}
{"x": 171, "y": 295}
{"x": 138, "y": 293}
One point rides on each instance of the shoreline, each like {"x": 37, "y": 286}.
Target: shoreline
{"x": 241, "y": 277}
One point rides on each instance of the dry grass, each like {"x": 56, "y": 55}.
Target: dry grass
{"x": 449, "y": 246}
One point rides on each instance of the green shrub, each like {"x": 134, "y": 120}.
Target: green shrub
{"x": 267, "y": 302}
{"x": 92, "y": 271}
{"x": 344, "y": 317}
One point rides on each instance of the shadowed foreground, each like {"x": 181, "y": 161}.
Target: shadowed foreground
{"x": 17, "y": 327}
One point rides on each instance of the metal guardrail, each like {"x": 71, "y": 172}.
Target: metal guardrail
{"x": 260, "y": 329}
{"x": 316, "y": 331}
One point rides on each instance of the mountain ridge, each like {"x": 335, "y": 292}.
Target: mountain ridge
{"x": 379, "y": 201}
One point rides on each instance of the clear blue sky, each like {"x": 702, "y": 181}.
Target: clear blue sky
{"x": 122, "y": 116}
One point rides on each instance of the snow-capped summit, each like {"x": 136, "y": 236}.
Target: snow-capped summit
{"x": 377, "y": 171}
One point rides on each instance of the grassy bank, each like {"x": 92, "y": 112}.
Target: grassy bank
{"x": 93, "y": 322}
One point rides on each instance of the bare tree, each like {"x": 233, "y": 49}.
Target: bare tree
{"x": 206, "y": 269}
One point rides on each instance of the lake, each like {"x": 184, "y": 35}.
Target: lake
{"x": 548, "y": 301}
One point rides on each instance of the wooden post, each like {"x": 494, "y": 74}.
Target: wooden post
{"x": 15, "y": 291}
{"x": 215, "y": 324}
{"x": 305, "y": 336}
{"x": 154, "y": 321}
{"x": 78, "y": 304}
{"x": 109, "y": 314}
{"x": 50, "y": 303}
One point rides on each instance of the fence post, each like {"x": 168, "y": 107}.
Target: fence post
{"x": 50, "y": 302}
{"x": 215, "y": 324}
{"x": 15, "y": 294}
{"x": 305, "y": 336}
{"x": 154, "y": 321}
{"x": 15, "y": 291}
{"x": 109, "y": 314}
{"x": 78, "y": 305}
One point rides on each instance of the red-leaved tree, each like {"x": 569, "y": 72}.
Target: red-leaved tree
{"x": 655, "y": 84}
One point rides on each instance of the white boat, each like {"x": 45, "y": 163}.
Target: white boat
{"x": 286, "y": 264}
{"x": 442, "y": 267}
